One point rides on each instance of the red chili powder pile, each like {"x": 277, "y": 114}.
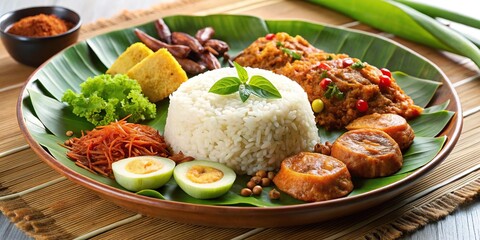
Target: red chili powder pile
{"x": 41, "y": 25}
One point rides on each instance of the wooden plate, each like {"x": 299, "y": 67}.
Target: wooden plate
{"x": 92, "y": 58}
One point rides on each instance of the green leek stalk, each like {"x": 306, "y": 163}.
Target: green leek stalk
{"x": 434, "y": 11}
{"x": 406, "y": 22}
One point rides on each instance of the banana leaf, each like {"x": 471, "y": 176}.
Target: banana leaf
{"x": 436, "y": 108}
{"x": 422, "y": 151}
{"x": 415, "y": 88}
{"x": 406, "y": 22}
{"x": 435, "y": 121}
{"x": 365, "y": 185}
{"x": 48, "y": 118}
{"x": 69, "y": 69}
{"x": 59, "y": 123}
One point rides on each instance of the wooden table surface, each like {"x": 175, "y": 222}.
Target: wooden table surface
{"x": 463, "y": 224}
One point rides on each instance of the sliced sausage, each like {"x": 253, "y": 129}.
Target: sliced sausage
{"x": 313, "y": 177}
{"x": 394, "y": 125}
{"x": 368, "y": 153}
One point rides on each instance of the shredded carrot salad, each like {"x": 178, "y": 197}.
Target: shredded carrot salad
{"x": 98, "y": 149}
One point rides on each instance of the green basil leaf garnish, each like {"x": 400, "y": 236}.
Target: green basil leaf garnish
{"x": 242, "y": 73}
{"x": 226, "y": 85}
{"x": 263, "y": 88}
{"x": 244, "y": 92}
{"x": 257, "y": 85}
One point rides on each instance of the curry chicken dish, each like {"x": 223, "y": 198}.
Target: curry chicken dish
{"x": 347, "y": 87}
{"x": 347, "y": 94}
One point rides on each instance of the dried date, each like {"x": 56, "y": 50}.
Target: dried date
{"x": 178, "y": 51}
{"x": 204, "y": 34}
{"x": 163, "y": 31}
{"x": 181, "y": 38}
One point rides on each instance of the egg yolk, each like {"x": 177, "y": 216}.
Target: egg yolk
{"x": 204, "y": 174}
{"x": 143, "y": 166}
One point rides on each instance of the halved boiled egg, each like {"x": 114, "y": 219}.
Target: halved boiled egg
{"x": 204, "y": 179}
{"x": 143, "y": 172}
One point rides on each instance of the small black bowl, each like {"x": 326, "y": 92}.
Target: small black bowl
{"x": 34, "y": 51}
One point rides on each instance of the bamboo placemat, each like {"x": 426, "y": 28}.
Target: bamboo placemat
{"x": 46, "y": 205}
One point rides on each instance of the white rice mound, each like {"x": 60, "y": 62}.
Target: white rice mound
{"x": 246, "y": 136}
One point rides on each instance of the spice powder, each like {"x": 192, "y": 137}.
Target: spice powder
{"x": 40, "y": 25}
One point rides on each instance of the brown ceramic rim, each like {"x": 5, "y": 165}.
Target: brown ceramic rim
{"x": 235, "y": 216}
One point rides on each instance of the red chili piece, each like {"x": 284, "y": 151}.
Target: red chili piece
{"x": 347, "y": 62}
{"x": 324, "y": 66}
{"x": 415, "y": 112}
{"x": 362, "y": 105}
{"x": 325, "y": 82}
{"x": 386, "y": 72}
{"x": 385, "y": 81}
{"x": 270, "y": 36}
